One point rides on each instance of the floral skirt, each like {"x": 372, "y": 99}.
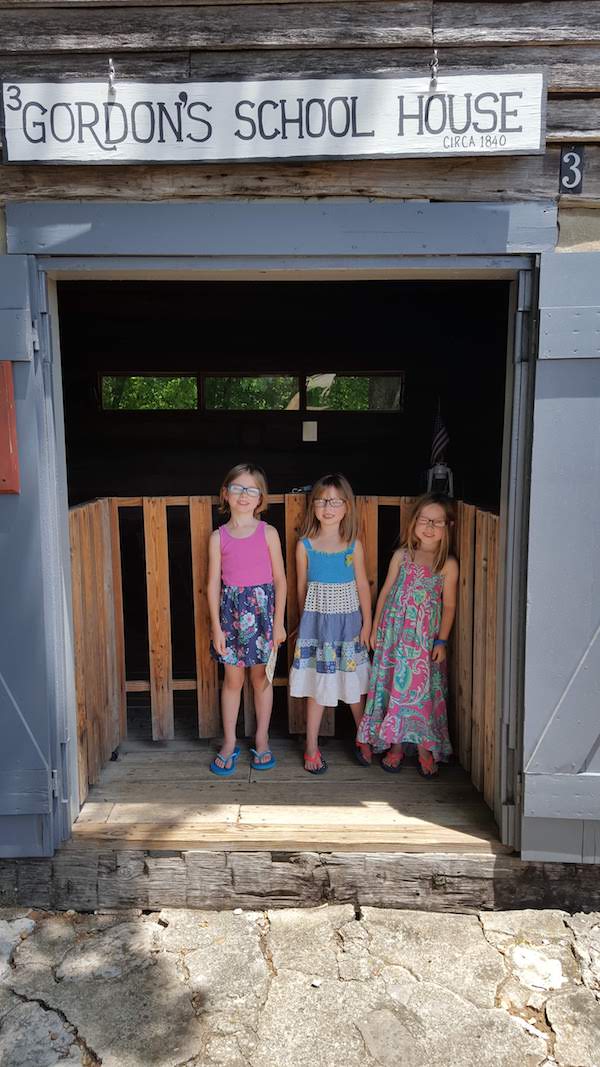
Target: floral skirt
{"x": 247, "y": 621}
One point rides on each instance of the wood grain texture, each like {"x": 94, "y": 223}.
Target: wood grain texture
{"x": 362, "y": 23}
{"x": 209, "y": 717}
{"x": 9, "y": 450}
{"x": 119, "y": 621}
{"x": 568, "y": 68}
{"x": 500, "y": 178}
{"x": 464, "y": 639}
{"x": 368, "y": 525}
{"x": 79, "y": 650}
{"x": 479, "y": 648}
{"x": 159, "y": 617}
{"x": 535, "y": 22}
{"x": 491, "y": 724}
{"x": 295, "y": 510}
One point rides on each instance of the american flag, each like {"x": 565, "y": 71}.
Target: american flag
{"x": 439, "y": 441}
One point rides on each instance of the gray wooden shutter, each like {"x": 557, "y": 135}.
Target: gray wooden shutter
{"x": 26, "y": 781}
{"x": 562, "y": 673}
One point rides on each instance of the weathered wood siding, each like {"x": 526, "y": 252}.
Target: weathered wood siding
{"x": 200, "y": 40}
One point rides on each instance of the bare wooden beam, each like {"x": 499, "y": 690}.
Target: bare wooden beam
{"x": 483, "y": 179}
{"x": 358, "y": 24}
{"x": 539, "y": 22}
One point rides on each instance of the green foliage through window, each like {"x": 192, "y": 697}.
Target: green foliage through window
{"x": 266, "y": 393}
{"x": 343, "y": 392}
{"x": 143, "y": 393}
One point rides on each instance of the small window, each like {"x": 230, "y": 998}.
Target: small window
{"x": 237, "y": 393}
{"x": 145, "y": 393}
{"x": 345, "y": 392}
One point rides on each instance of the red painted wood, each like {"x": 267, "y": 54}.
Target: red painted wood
{"x": 9, "y": 458}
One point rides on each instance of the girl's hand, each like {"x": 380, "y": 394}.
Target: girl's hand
{"x": 279, "y": 634}
{"x": 373, "y": 638}
{"x": 365, "y": 636}
{"x": 439, "y": 653}
{"x": 219, "y": 642}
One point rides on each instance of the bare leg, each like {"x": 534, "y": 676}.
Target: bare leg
{"x": 358, "y": 711}
{"x": 314, "y": 714}
{"x": 230, "y": 706}
{"x": 263, "y": 704}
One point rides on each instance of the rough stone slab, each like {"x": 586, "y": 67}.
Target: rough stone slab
{"x": 453, "y": 954}
{"x": 586, "y": 930}
{"x": 574, "y": 1015}
{"x": 32, "y": 1036}
{"x": 308, "y": 943}
{"x": 12, "y": 932}
{"x": 503, "y": 928}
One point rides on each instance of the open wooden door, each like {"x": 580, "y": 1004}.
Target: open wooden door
{"x": 562, "y": 678}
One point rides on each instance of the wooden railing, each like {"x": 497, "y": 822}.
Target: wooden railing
{"x": 102, "y": 683}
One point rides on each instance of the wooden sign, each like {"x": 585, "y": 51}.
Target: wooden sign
{"x": 9, "y": 460}
{"x": 475, "y": 114}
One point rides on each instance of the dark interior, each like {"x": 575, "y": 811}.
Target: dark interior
{"x": 448, "y": 338}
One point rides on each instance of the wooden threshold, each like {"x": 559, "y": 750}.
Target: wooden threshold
{"x": 161, "y": 799}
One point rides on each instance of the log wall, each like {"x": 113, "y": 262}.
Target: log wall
{"x": 196, "y": 39}
{"x": 99, "y": 639}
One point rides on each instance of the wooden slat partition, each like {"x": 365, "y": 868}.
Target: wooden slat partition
{"x": 99, "y": 639}
{"x": 209, "y": 721}
{"x": 159, "y": 617}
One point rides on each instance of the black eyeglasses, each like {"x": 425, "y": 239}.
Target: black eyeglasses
{"x": 239, "y": 490}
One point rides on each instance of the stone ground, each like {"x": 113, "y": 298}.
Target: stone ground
{"x": 306, "y": 988}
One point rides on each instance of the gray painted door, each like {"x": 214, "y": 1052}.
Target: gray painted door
{"x": 562, "y": 675}
{"x": 33, "y": 815}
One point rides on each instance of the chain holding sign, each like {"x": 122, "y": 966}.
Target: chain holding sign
{"x": 318, "y": 118}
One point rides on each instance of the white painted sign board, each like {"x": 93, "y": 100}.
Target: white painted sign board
{"x": 196, "y": 122}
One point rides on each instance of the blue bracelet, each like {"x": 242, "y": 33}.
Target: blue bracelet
{"x": 439, "y": 641}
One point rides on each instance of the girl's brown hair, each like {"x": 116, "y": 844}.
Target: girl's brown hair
{"x": 411, "y": 541}
{"x": 259, "y": 477}
{"x": 349, "y": 523}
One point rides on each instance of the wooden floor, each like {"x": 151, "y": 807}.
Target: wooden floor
{"x": 161, "y": 795}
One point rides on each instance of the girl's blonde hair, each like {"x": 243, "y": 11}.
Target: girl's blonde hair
{"x": 349, "y": 523}
{"x": 259, "y": 477}
{"x": 411, "y": 541}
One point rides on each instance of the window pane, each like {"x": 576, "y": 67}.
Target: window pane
{"x": 343, "y": 392}
{"x": 143, "y": 393}
{"x": 236, "y": 393}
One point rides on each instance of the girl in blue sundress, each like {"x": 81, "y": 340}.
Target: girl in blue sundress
{"x": 331, "y": 659}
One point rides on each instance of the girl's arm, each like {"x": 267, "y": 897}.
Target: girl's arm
{"x": 213, "y": 592}
{"x": 392, "y": 574}
{"x": 301, "y": 575}
{"x": 280, "y": 583}
{"x": 450, "y": 573}
{"x": 364, "y": 592}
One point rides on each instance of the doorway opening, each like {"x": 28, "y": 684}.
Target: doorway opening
{"x": 167, "y": 384}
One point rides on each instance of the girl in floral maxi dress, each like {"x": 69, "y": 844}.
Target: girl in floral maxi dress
{"x": 246, "y": 592}
{"x": 413, "y": 619}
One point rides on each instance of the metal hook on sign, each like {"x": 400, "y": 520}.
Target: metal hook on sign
{"x": 112, "y": 74}
{"x": 434, "y": 67}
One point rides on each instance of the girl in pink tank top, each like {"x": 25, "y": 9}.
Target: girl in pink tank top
{"x": 246, "y": 597}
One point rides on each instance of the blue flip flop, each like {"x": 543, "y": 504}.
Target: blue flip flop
{"x": 262, "y": 766}
{"x": 225, "y": 772}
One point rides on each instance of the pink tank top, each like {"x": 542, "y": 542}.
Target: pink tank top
{"x": 245, "y": 560}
